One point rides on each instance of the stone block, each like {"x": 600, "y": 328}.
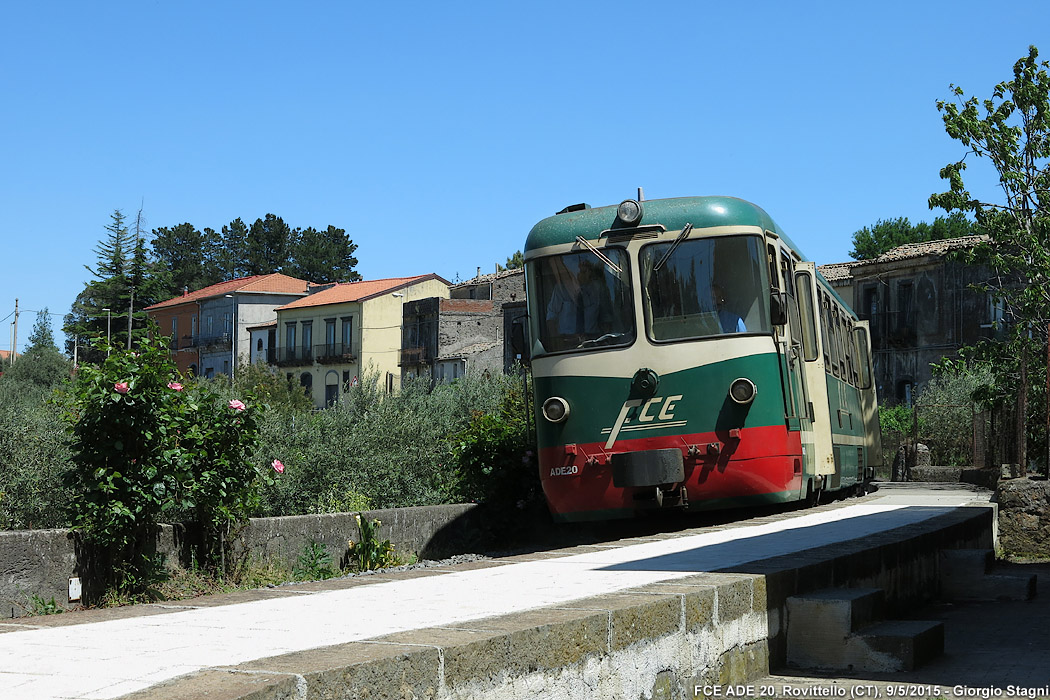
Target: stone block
{"x": 1024, "y": 517}
{"x": 636, "y": 617}
{"x": 896, "y": 645}
{"x": 225, "y": 685}
{"x": 819, "y": 623}
{"x": 698, "y": 601}
{"x": 378, "y": 671}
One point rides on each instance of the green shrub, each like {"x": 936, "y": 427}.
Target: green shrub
{"x": 494, "y": 458}
{"x": 386, "y": 450}
{"x": 945, "y": 409}
{"x": 34, "y": 456}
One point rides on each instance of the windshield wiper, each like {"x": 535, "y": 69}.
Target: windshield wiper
{"x": 601, "y": 256}
{"x": 674, "y": 245}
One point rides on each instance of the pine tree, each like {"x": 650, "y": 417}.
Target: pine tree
{"x": 180, "y": 252}
{"x": 268, "y": 244}
{"x": 42, "y": 337}
{"x": 234, "y": 250}
{"x": 123, "y": 269}
{"x": 323, "y": 256}
{"x": 112, "y": 251}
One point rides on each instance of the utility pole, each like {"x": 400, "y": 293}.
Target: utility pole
{"x": 14, "y": 336}
{"x": 131, "y": 309}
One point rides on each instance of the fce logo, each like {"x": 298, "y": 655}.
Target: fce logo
{"x": 650, "y": 414}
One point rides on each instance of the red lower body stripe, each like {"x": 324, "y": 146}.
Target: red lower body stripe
{"x": 740, "y": 464}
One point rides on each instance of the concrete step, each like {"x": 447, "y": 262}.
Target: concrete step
{"x": 820, "y": 622}
{"x": 840, "y": 629}
{"x": 965, "y": 574}
{"x": 896, "y": 645}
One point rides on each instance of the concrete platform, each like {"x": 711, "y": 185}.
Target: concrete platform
{"x": 591, "y": 621}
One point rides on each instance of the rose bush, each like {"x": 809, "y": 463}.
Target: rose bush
{"x": 144, "y": 446}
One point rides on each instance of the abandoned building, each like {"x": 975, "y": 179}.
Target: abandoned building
{"x": 444, "y": 338}
{"x": 922, "y": 307}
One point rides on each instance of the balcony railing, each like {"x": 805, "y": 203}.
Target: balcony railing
{"x": 333, "y": 353}
{"x": 329, "y": 353}
{"x": 209, "y": 341}
{"x": 415, "y": 356}
{"x": 294, "y": 356}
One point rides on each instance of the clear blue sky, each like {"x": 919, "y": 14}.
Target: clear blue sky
{"x": 437, "y": 134}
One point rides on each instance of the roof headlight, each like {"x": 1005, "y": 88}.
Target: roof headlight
{"x": 556, "y": 409}
{"x": 629, "y": 212}
{"x": 742, "y": 391}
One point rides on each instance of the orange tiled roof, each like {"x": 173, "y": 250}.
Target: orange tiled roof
{"x": 275, "y": 283}
{"x": 6, "y": 354}
{"x": 358, "y": 291}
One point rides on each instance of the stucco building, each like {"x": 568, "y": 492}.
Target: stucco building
{"x": 340, "y": 333}
{"x": 209, "y": 327}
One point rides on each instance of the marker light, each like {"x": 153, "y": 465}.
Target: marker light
{"x": 742, "y": 391}
{"x": 629, "y": 212}
{"x": 556, "y": 409}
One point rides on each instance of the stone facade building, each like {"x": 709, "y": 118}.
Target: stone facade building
{"x": 920, "y": 303}
{"x": 469, "y": 331}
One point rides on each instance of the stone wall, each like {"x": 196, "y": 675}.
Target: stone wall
{"x": 1024, "y": 517}
{"x": 41, "y": 562}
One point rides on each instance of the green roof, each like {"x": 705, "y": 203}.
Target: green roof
{"x": 672, "y": 214}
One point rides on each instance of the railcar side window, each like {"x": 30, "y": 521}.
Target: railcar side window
{"x": 804, "y": 288}
{"x": 707, "y": 287}
{"x": 863, "y": 353}
{"x": 825, "y": 335}
{"x": 583, "y": 302}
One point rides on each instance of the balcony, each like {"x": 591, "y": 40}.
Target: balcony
{"x": 334, "y": 353}
{"x": 289, "y": 357}
{"x": 415, "y": 356}
{"x": 327, "y": 354}
{"x": 221, "y": 340}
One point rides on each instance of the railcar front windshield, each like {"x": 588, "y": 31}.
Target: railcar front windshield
{"x": 704, "y": 287}
{"x": 581, "y": 302}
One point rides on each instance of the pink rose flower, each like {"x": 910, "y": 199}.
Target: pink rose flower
{"x": 175, "y": 386}
{"x": 237, "y": 405}
{"x": 278, "y": 466}
{"x": 121, "y": 387}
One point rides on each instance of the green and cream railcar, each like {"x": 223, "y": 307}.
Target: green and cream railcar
{"x": 686, "y": 355}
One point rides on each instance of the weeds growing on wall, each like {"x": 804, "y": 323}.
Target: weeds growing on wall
{"x": 314, "y": 564}
{"x": 369, "y": 552}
